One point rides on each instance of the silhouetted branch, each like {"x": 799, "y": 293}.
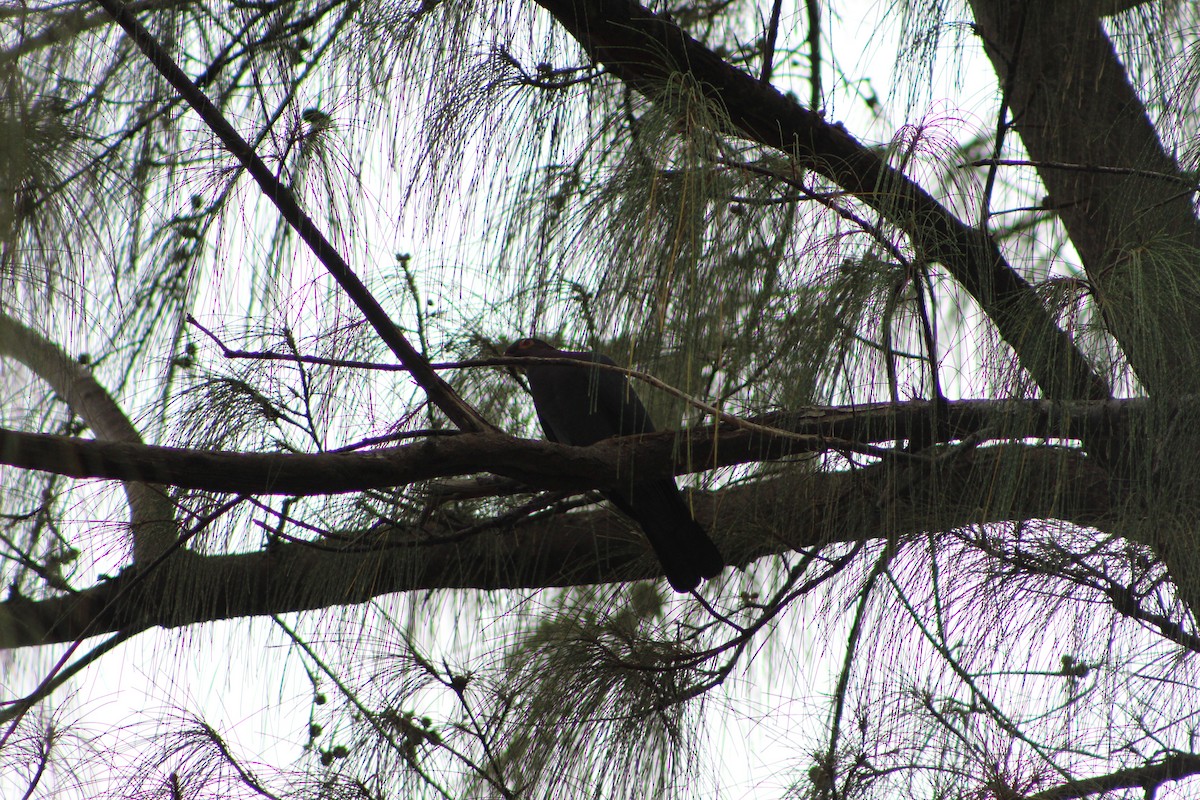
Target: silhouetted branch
{"x": 440, "y": 392}
{"x": 645, "y": 49}
{"x": 1174, "y": 767}
{"x": 547, "y": 465}
{"x": 798, "y": 509}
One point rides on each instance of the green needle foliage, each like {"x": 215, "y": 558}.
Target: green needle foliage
{"x": 931, "y": 354}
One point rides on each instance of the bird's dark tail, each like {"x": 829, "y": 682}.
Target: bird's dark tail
{"x": 681, "y": 544}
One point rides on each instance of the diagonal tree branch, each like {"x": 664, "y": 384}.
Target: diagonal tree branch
{"x": 151, "y": 514}
{"x": 440, "y": 392}
{"x": 1137, "y": 235}
{"x": 644, "y": 49}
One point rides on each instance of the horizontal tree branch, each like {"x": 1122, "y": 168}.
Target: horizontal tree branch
{"x": 796, "y": 510}
{"x": 547, "y": 465}
{"x": 1173, "y": 767}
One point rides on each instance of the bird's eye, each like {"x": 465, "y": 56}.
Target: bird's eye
{"x": 525, "y": 344}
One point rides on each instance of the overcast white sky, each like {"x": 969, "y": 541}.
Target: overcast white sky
{"x": 244, "y": 679}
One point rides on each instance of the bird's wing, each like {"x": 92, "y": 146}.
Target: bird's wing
{"x": 547, "y": 428}
{"x": 618, "y": 402}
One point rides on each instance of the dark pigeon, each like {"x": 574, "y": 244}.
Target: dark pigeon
{"x": 582, "y": 406}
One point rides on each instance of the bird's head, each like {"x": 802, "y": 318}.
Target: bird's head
{"x": 531, "y": 347}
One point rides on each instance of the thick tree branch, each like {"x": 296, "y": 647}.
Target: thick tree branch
{"x": 644, "y": 49}
{"x": 151, "y": 515}
{"x": 1138, "y": 237}
{"x": 553, "y": 466}
{"x": 440, "y": 392}
{"x": 799, "y": 509}
{"x": 1173, "y": 767}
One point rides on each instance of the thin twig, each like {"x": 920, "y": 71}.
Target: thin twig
{"x": 839, "y": 695}
{"x": 285, "y": 201}
{"x": 507, "y": 361}
{"x": 1001, "y": 124}
{"x": 998, "y": 716}
{"x": 814, "y": 54}
{"x": 56, "y": 676}
{"x": 826, "y": 200}
{"x": 768, "y": 62}
{"x": 1096, "y": 168}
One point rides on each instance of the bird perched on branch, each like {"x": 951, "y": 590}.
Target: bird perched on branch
{"x": 580, "y": 407}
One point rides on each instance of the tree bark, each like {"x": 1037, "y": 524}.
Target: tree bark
{"x": 643, "y": 49}
{"x": 798, "y": 510}
{"x": 546, "y": 465}
{"x": 1072, "y": 103}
